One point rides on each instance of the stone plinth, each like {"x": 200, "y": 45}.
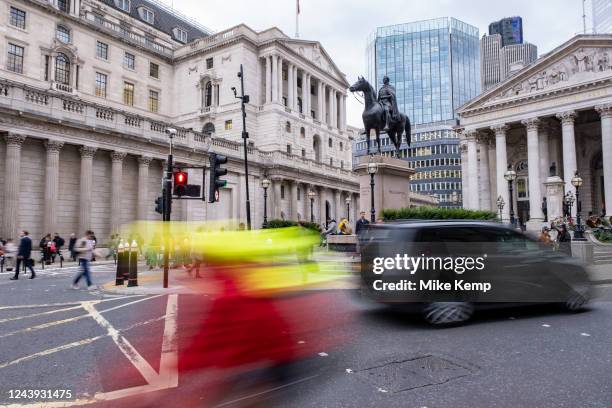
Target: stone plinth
{"x": 391, "y": 183}
{"x": 554, "y": 197}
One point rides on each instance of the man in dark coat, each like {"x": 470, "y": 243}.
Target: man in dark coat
{"x": 361, "y": 222}
{"x": 59, "y": 243}
{"x": 24, "y": 254}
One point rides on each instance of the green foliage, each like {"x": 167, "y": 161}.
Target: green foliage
{"x": 603, "y": 236}
{"x": 433, "y": 213}
{"x": 277, "y": 223}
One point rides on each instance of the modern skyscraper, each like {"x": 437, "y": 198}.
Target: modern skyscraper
{"x": 602, "y": 16}
{"x": 510, "y": 29}
{"x": 502, "y": 52}
{"x": 434, "y": 66}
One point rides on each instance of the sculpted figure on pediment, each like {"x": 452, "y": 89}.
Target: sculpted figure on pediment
{"x": 602, "y": 61}
{"x": 582, "y": 61}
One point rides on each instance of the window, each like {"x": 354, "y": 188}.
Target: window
{"x": 303, "y": 152}
{"x": 282, "y": 192}
{"x": 181, "y": 35}
{"x": 284, "y": 101}
{"x": 129, "y": 61}
{"x": 147, "y": 15}
{"x": 128, "y": 93}
{"x": 62, "y": 34}
{"x": 209, "y": 63}
{"x": 153, "y": 70}
{"x": 299, "y": 104}
{"x": 331, "y": 161}
{"x": 101, "y": 81}
{"x": 287, "y": 127}
{"x": 101, "y": 50}
{"x": 289, "y": 149}
{"x": 208, "y": 94}
{"x": 15, "y": 58}
{"x": 62, "y": 69}
{"x": 228, "y": 124}
{"x": 123, "y": 5}
{"x": 18, "y": 18}
{"x": 63, "y": 5}
{"x": 302, "y": 132}
{"x": 341, "y": 146}
{"x": 330, "y": 142}
{"x": 153, "y": 101}
{"x": 299, "y": 194}
{"x": 299, "y": 82}
{"x": 312, "y": 114}
{"x": 47, "y": 67}
{"x": 342, "y": 164}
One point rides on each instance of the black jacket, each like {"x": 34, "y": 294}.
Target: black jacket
{"x": 59, "y": 242}
{"x": 360, "y": 224}
{"x": 25, "y": 247}
{"x": 71, "y": 243}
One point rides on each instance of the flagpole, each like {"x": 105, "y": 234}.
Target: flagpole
{"x": 297, "y": 21}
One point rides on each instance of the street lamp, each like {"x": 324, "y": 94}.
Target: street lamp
{"x": 510, "y": 176}
{"x": 577, "y": 183}
{"x": 311, "y": 195}
{"x": 569, "y": 201}
{"x": 244, "y": 99}
{"x": 500, "y": 206}
{"x": 347, "y": 200}
{"x": 265, "y": 183}
{"x": 372, "y": 169}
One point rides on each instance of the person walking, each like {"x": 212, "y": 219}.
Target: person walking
{"x": 361, "y": 222}
{"x": 10, "y": 255}
{"x": 84, "y": 249}
{"x": 45, "y": 249}
{"x": 59, "y": 244}
{"x": 71, "y": 245}
{"x": 24, "y": 254}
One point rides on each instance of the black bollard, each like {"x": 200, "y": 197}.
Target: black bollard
{"x": 120, "y": 265}
{"x": 133, "y": 264}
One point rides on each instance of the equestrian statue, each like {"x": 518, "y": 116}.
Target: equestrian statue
{"x": 382, "y": 114}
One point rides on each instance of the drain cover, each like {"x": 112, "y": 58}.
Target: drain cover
{"x": 417, "y": 372}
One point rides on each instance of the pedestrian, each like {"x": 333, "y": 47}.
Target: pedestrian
{"x": 24, "y": 254}
{"x": 45, "y": 249}
{"x": 95, "y": 241}
{"x": 71, "y": 244}
{"x": 344, "y": 227}
{"x": 361, "y": 223}
{"x": 10, "y": 255}
{"x": 564, "y": 239}
{"x": 84, "y": 249}
{"x": 59, "y": 243}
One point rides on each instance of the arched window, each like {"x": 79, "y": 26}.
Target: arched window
{"x": 288, "y": 127}
{"x": 62, "y": 69}
{"x": 208, "y": 129}
{"x": 208, "y": 94}
{"x": 302, "y": 132}
{"x": 330, "y": 142}
{"x": 316, "y": 146}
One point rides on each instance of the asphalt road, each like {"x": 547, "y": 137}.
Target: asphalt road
{"x": 112, "y": 346}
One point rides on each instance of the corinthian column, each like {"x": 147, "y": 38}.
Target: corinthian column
{"x": 87, "y": 154}
{"x": 485, "y": 198}
{"x": 472, "y": 169}
{"x": 569, "y": 150}
{"x": 535, "y": 186}
{"x": 12, "y": 175}
{"x": 143, "y": 186}
{"x": 274, "y": 74}
{"x": 501, "y": 166}
{"x": 605, "y": 111}
{"x": 51, "y": 185}
{"x": 116, "y": 187}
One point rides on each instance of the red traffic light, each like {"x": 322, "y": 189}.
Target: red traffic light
{"x": 180, "y": 178}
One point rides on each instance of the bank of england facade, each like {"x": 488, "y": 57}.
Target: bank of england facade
{"x": 556, "y": 111}
{"x": 89, "y": 87}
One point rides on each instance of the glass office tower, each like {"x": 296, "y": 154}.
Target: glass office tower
{"x": 602, "y": 16}
{"x": 435, "y": 68}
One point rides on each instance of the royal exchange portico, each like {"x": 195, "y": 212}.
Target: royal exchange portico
{"x": 557, "y": 110}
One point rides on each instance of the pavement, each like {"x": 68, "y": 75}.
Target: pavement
{"x": 110, "y": 349}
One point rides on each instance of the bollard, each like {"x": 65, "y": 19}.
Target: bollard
{"x": 120, "y": 264}
{"x": 126, "y": 261}
{"x": 133, "y": 264}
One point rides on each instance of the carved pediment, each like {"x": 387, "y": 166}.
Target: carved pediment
{"x": 313, "y": 52}
{"x": 574, "y": 63}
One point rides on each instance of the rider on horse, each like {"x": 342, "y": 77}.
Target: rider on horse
{"x": 386, "y": 96}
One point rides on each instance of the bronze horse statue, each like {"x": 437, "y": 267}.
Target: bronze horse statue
{"x": 374, "y": 117}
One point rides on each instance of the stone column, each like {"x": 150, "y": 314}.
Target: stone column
{"x": 536, "y": 217}
{"x": 87, "y": 154}
{"x": 274, "y": 74}
{"x": 116, "y": 190}
{"x": 143, "y": 187}
{"x": 51, "y": 185}
{"x": 320, "y": 91}
{"x": 472, "y": 169}
{"x": 306, "y": 98}
{"x": 330, "y": 107}
{"x": 280, "y": 80}
{"x": 12, "y": 176}
{"x": 337, "y": 206}
{"x": 290, "y": 87}
{"x": 277, "y": 203}
{"x": 485, "y": 182}
{"x": 293, "y": 186}
{"x": 268, "y": 86}
{"x": 544, "y": 157}
{"x": 568, "y": 144}
{"x": 605, "y": 111}
{"x": 501, "y": 166}
{"x": 323, "y": 104}
{"x": 322, "y": 200}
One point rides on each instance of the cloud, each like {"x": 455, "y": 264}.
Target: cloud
{"x": 342, "y": 26}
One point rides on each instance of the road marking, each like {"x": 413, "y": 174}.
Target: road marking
{"x": 39, "y": 314}
{"x": 585, "y": 334}
{"x": 323, "y": 354}
{"x": 59, "y": 304}
{"x": 546, "y": 325}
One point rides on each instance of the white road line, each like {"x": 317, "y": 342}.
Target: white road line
{"x": 143, "y": 367}
{"x": 10, "y": 319}
{"x": 168, "y": 375}
{"x": 78, "y": 303}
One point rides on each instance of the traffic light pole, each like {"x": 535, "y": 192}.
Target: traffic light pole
{"x": 167, "y": 194}
{"x": 245, "y": 135}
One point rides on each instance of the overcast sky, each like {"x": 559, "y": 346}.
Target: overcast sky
{"x": 343, "y": 25}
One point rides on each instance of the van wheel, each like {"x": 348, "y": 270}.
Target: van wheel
{"x": 575, "y": 301}
{"x": 447, "y": 313}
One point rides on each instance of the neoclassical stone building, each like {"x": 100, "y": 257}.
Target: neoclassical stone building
{"x": 557, "y": 110}
{"x": 88, "y": 88}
